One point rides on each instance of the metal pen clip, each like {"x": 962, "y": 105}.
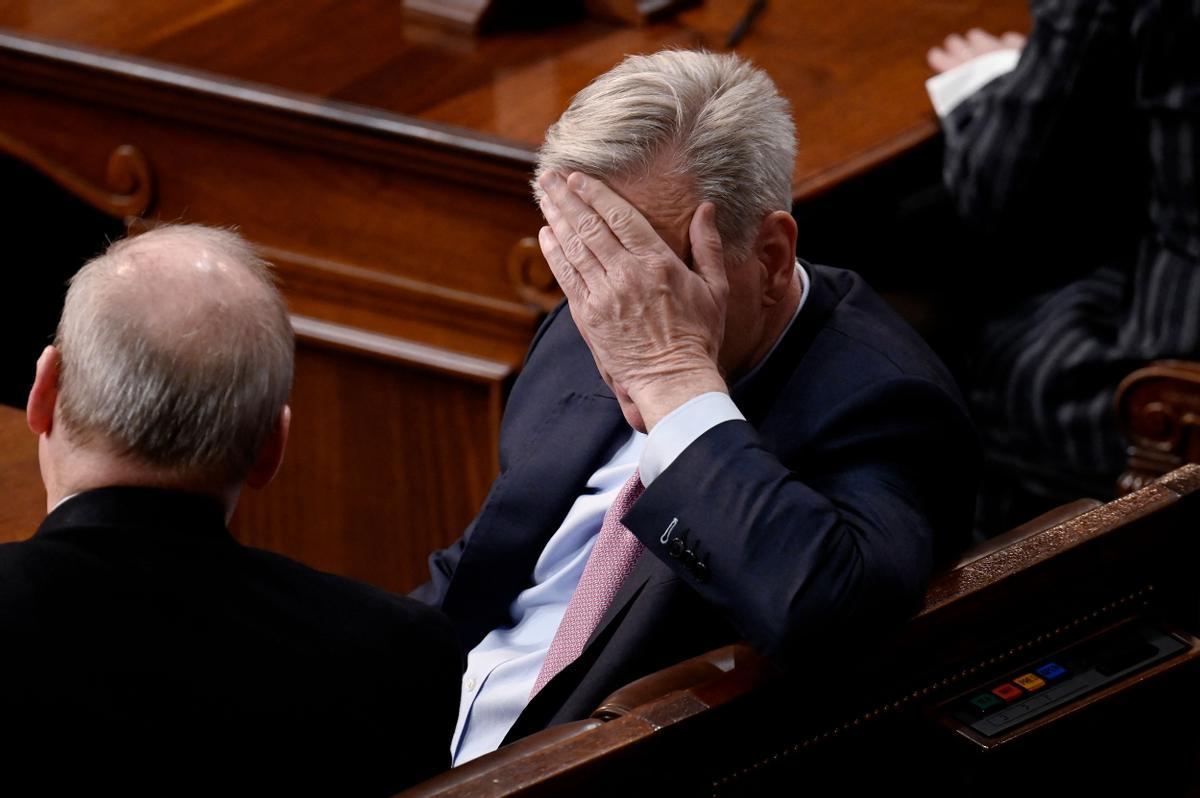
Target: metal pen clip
{"x": 666, "y": 536}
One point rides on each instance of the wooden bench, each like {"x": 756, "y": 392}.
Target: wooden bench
{"x": 879, "y": 713}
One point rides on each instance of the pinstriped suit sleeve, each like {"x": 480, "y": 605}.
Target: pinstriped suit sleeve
{"x": 1024, "y": 142}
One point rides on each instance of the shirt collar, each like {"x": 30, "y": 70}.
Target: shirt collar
{"x": 127, "y": 507}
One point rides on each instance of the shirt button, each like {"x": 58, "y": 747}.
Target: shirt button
{"x": 470, "y": 685}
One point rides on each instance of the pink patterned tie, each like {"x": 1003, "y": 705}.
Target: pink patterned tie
{"x": 610, "y": 563}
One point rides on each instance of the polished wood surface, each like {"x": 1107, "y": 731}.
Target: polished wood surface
{"x": 24, "y": 504}
{"x": 853, "y": 71}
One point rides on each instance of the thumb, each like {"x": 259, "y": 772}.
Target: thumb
{"x": 707, "y": 253}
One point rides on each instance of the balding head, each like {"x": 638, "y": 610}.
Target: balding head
{"x": 175, "y": 353}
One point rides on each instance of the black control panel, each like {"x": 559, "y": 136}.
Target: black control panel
{"x": 1025, "y": 694}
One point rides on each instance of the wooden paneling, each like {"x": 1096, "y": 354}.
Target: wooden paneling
{"x": 353, "y": 225}
{"x": 24, "y": 504}
{"x": 386, "y": 460}
{"x": 396, "y": 422}
{"x": 383, "y": 466}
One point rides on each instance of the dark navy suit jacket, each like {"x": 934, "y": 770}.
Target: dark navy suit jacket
{"x": 827, "y": 508}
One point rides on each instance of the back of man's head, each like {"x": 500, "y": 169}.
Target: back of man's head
{"x": 176, "y": 354}
{"x": 714, "y": 120}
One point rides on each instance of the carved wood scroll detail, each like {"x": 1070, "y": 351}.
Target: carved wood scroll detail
{"x": 128, "y": 189}
{"x": 1158, "y": 410}
{"x": 531, "y": 275}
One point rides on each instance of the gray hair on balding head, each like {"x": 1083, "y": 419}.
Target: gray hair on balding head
{"x": 176, "y": 351}
{"x": 715, "y": 120}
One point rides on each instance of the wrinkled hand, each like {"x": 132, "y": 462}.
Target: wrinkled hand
{"x": 654, "y": 327}
{"x": 960, "y": 49}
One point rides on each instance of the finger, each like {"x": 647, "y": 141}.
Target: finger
{"x": 570, "y": 245}
{"x": 584, "y": 221}
{"x": 980, "y": 41}
{"x": 572, "y": 284}
{"x": 956, "y": 47}
{"x": 583, "y": 333}
{"x": 939, "y": 60}
{"x": 707, "y": 253}
{"x": 1013, "y": 40}
{"x": 625, "y": 221}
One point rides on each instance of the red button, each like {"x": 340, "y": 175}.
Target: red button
{"x": 1009, "y": 692}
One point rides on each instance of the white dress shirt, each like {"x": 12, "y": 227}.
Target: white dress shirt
{"x": 954, "y": 85}
{"x": 501, "y": 670}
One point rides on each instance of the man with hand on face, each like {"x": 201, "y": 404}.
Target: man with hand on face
{"x": 145, "y": 650}
{"x": 750, "y": 448}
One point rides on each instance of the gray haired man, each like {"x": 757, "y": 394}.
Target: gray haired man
{"x": 145, "y": 648}
{"x": 710, "y": 440}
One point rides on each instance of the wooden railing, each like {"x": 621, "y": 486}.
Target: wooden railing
{"x": 731, "y": 723}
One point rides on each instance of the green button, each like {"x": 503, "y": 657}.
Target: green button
{"x": 985, "y": 702}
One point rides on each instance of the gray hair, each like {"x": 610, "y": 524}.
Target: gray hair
{"x": 713, "y": 119}
{"x": 177, "y": 351}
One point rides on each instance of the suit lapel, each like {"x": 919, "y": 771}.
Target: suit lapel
{"x": 528, "y": 502}
{"x": 540, "y": 711}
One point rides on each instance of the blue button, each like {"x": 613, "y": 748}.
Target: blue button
{"x": 1051, "y": 670}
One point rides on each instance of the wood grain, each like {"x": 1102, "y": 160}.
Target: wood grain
{"x": 387, "y": 460}
{"x": 854, "y": 72}
{"x": 24, "y": 504}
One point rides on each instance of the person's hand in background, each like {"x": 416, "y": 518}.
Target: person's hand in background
{"x": 959, "y": 49}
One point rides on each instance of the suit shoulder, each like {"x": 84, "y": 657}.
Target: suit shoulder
{"x": 19, "y": 562}
{"x": 354, "y": 611}
{"x": 865, "y": 332}
{"x": 16, "y": 585}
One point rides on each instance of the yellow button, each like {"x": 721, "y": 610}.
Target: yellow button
{"x": 1030, "y": 682}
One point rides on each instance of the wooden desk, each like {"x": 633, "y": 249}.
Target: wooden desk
{"x": 854, "y": 71}
{"x": 24, "y": 504}
{"x": 383, "y": 166}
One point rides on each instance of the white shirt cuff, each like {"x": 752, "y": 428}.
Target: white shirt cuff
{"x": 681, "y": 427}
{"x": 953, "y": 86}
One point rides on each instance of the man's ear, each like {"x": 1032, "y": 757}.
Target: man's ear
{"x": 43, "y": 396}
{"x": 776, "y": 250}
{"x": 271, "y": 454}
